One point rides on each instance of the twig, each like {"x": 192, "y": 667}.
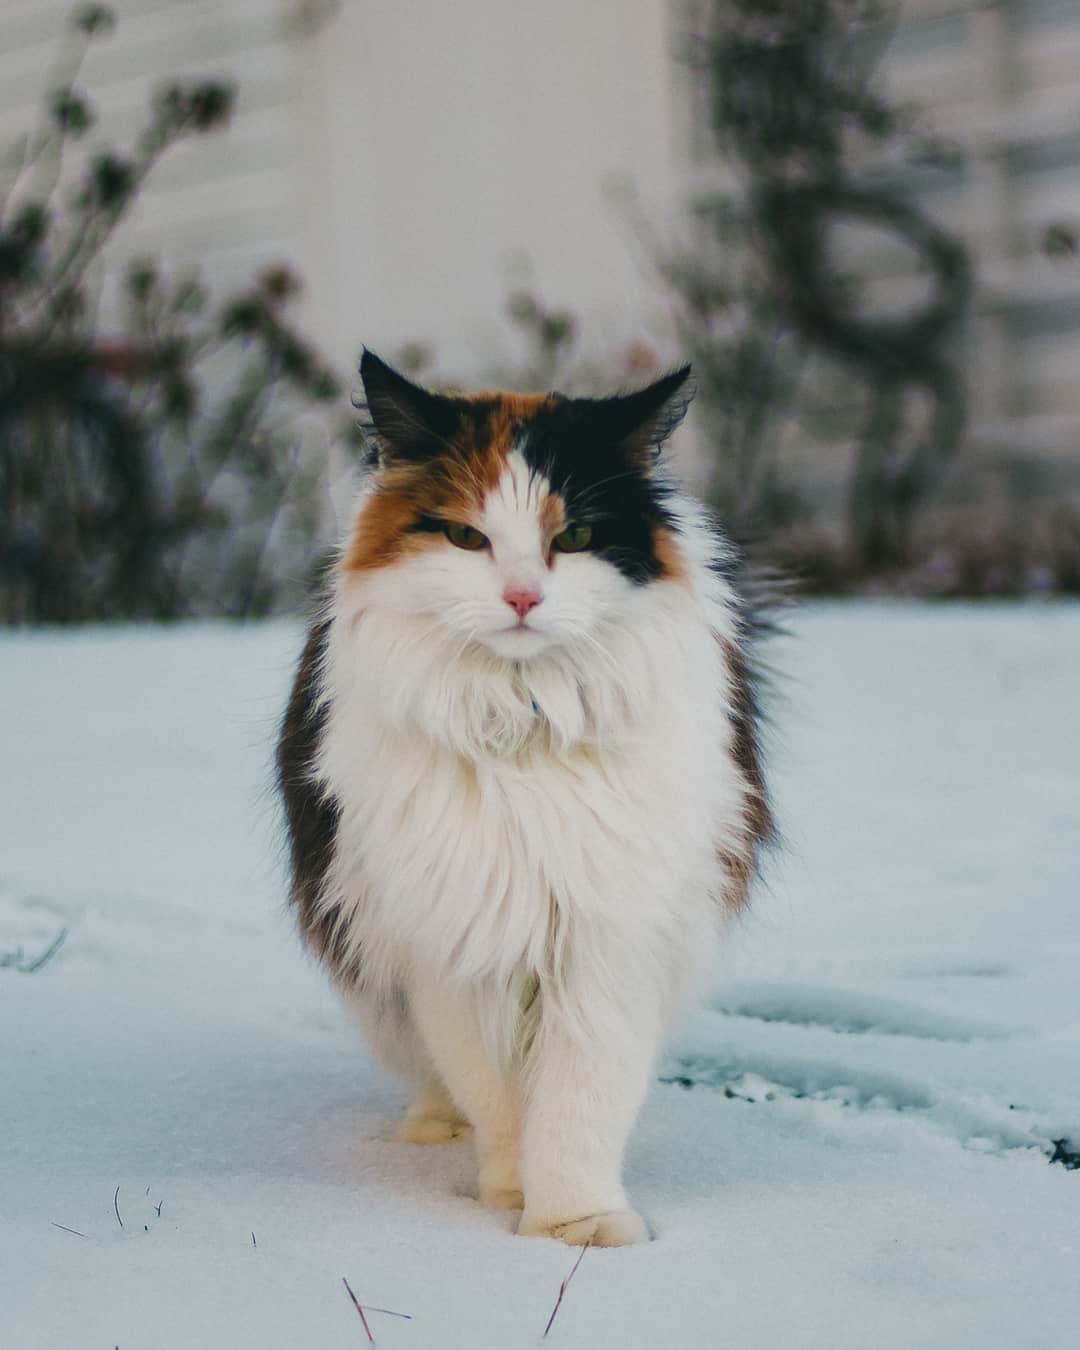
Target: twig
{"x": 157, "y": 1207}
{"x": 116, "y": 1206}
{"x": 388, "y": 1312}
{"x": 65, "y": 68}
{"x": 253, "y": 1242}
{"x": 16, "y": 960}
{"x": 66, "y": 1228}
{"x": 356, "y": 1305}
{"x": 564, "y": 1286}
{"x": 49, "y": 952}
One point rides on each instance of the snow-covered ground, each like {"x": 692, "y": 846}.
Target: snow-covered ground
{"x": 847, "y": 1147}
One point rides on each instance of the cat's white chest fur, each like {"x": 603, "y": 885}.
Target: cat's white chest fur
{"x": 496, "y": 825}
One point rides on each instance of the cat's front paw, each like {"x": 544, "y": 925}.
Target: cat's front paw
{"x": 501, "y": 1197}
{"x": 431, "y": 1129}
{"x": 613, "y": 1228}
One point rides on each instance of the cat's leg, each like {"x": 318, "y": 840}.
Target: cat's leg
{"x": 391, "y": 1030}
{"x": 588, "y": 1074}
{"x": 433, "y": 1118}
{"x": 450, "y": 1027}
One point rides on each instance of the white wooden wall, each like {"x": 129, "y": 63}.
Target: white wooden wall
{"x": 415, "y": 159}
{"x": 224, "y": 201}
{"x": 407, "y": 155}
{"x": 454, "y": 142}
{"x": 1002, "y": 80}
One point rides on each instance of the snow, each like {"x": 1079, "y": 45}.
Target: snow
{"x": 848, "y": 1145}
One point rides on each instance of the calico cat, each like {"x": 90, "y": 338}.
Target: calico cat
{"x": 521, "y": 775}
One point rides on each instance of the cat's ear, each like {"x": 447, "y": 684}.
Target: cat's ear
{"x": 410, "y": 423}
{"x": 640, "y": 423}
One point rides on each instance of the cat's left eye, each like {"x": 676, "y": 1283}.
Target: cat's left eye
{"x": 464, "y": 536}
{"x": 573, "y": 539}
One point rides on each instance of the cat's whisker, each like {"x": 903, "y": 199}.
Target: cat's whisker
{"x": 583, "y": 635}
{"x": 595, "y": 488}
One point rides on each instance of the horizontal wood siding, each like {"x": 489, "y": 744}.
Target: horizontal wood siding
{"x": 226, "y": 201}
{"x": 1001, "y": 83}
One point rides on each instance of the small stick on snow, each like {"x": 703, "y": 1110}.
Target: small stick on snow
{"x": 389, "y": 1312}
{"x": 66, "y": 1228}
{"x": 116, "y": 1206}
{"x": 253, "y": 1242}
{"x": 157, "y": 1208}
{"x": 356, "y": 1305}
{"x": 28, "y": 968}
{"x": 564, "y": 1286}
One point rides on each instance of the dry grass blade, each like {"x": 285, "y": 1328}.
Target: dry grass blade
{"x": 389, "y": 1312}
{"x": 564, "y": 1286}
{"x": 356, "y": 1305}
{"x": 116, "y": 1206}
{"x": 66, "y": 1228}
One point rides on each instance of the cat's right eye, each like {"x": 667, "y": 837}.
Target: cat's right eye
{"x": 464, "y": 536}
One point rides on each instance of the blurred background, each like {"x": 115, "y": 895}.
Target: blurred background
{"x": 860, "y": 221}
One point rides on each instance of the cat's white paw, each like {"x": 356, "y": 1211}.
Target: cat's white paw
{"x": 614, "y": 1228}
{"x": 501, "y": 1197}
{"x": 431, "y": 1129}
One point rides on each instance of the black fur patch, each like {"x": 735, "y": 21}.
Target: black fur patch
{"x": 580, "y": 446}
{"x": 758, "y": 597}
{"x": 311, "y": 816}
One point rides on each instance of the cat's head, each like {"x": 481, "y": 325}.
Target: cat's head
{"x": 519, "y": 522}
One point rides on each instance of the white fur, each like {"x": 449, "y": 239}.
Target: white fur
{"x": 531, "y": 830}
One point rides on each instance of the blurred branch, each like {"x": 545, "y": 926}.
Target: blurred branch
{"x": 141, "y": 472}
{"x": 65, "y": 112}
{"x": 795, "y": 103}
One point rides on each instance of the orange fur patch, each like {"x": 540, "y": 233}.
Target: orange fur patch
{"x": 669, "y": 555}
{"x": 382, "y": 529}
{"x": 757, "y": 818}
{"x": 740, "y": 868}
{"x": 452, "y": 485}
{"x": 510, "y": 407}
{"x": 552, "y": 515}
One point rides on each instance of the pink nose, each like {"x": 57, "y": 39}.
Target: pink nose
{"x": 522, "y": 599}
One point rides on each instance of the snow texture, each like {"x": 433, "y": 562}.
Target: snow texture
{"x": 848, "y": 1145}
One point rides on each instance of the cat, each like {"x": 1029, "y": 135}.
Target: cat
{"x": 521, "y": 774}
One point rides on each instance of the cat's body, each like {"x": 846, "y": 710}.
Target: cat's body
{"x": 521, "y": 775}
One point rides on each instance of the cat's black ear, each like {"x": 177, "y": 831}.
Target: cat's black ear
{"x": 409, "y": 422}
{"x": 641, "y": 422}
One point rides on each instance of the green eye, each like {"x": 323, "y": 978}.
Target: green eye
{"x": 464, "y": 536}
{"x": 573, "y": 539}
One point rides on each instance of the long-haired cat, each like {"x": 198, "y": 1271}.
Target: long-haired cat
{"x": 521, "y": 774}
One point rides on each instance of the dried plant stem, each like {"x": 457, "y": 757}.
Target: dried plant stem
{"x": 359, "y": 1309}
{"x": 564, "y": 1286}
{"x": 389, "y": 1312}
